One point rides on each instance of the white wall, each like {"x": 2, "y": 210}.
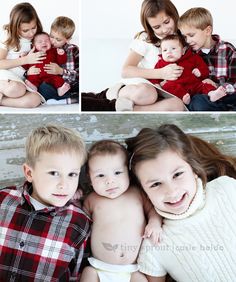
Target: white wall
{"x": 47, "y": 12}
{"x": 107, "y": 27}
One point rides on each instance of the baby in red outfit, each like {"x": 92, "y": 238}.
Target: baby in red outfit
{"x": 41, "y": 42}
{"x": 195, "y": 70}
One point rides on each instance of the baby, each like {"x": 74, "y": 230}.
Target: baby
{"x": 42, "y": 42}
{"x": 195, "y": 70}
{"x": 117, "y": 210}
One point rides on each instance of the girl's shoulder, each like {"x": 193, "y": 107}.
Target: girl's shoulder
{"x": 141, "y": 36}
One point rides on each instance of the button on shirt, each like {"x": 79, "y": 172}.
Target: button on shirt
{"x": 40, "y": 245}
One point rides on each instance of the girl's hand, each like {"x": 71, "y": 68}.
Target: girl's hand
{"x": 208, "y": 80}
{"x": 53, "y": 68}
{"x": 153, "y": 231}
{"x": 171, "y": 72}
{"x": 34, "y": 58}
{"x": 33, "y": 71}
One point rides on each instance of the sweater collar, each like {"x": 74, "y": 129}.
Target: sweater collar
{"x": 198, "y": 203}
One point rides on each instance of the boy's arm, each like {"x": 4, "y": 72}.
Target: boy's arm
{"x": 71, "y": 69}
{"x": 153, "y": 228}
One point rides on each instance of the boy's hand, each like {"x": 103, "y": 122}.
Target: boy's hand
{"x": 60, "y": 51}
{"x": 196, "y": 72}
{"x": 53, "y": 68}
{"x": 153, "y": 231}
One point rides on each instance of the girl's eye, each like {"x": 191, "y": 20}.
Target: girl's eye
{"x": 177, "y": 174}
{"x": 166, "y": 22}
{"x": 118, "y": 172}
{"x": 73, "y": 174}
{"x": 54, "y": 173}
{"x": 155, "y": 185}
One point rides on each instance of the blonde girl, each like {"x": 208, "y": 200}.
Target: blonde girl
{"x": 192, "y": 185}
{"x": 159, "y": 19}
{"x": 15, "y": 45}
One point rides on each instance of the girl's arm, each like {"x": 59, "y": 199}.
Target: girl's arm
{"x": 156, "y": 279}
{"x": 131, "y": 69}
{"x": 31, "y": 58}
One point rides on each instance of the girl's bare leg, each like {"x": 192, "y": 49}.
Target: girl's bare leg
{"x": 12, "y": 89}
{"x": 89, "y": 274}
{"x": 28, "y": 100}
{"x": 168, "y": 104}
{"x": 138, "y": 277}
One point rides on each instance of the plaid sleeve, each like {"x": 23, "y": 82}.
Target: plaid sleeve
{"x": 231, "y": 59}
{"x": 71, "y": 68}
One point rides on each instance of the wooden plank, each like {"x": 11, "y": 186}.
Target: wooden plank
{"x": 219, "y": 129}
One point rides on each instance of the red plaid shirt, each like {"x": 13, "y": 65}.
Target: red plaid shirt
{"x": 43, "y": 245}
{"x": 221, "y": 61}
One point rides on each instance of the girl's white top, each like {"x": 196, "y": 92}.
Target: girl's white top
{"x": 16, "y": 73}
{"x": 149, "y": 53}
{"x": 200, "y": 246}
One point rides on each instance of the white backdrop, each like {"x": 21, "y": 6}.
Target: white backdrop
{"x": 47, "y": 12}
{"x": 107, "y": 27}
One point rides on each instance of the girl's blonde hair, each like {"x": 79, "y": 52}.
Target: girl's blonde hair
{"x": 53, "y": 138}
{"x": 64, "y": 25}
{"x": 149, "y": 9}
{"x": 204, "y": 158}
{"x": 199, "y": 18}
{"x": 21, "y": 13}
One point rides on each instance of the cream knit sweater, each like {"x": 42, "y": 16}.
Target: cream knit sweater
{"x": 202, "y": 245}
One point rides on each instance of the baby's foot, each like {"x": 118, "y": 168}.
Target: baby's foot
{"x": 186, "y": 99}
{"x": 113, "y": 92}
{"x": 123, "y": 104}
{"x": 217, "y": 94}
{"x": 63, "y": 89}
{"x": 31, "y": 85}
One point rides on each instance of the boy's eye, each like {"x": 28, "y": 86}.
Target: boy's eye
{"x": 177, "y": 174}
{"x": 53, "y": 173}
{"x": 155, "y": 185}
{"x": 73, "y": 174}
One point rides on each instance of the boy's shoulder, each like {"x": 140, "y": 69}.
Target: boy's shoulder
{"x": 222, "y": 43}
{"x": 11, "y": 191}
{"x": 71, "y": 47}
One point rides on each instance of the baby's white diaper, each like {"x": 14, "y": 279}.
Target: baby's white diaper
{"x": 113, "y": 272}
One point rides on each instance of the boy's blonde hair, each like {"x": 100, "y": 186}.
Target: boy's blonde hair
{"x": 53, "y": 138}
{"x": 199, "y": 18}
{"x": 64, "y": 25}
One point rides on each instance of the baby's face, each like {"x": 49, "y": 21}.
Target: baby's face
{"x": 54, "y": 177}
{"x": 42, "y": 42}
{"x": 109, "y": 175}
{"x": 172, "y": 50}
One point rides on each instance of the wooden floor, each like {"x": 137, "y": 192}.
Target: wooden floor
{"x": 219, "y": 129}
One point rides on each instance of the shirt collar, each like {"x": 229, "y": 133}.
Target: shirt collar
{"x": 198, "y": 203}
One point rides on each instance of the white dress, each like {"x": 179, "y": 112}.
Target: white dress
{"x": 149, "y": 52}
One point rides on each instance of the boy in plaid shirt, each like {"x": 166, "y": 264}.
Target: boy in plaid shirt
{"x": 61, "y": 32}
{"x": 196, "y": 25}
{"x": 42, "y": 234}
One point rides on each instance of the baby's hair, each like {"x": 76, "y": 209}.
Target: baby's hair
{"x": 178, "y": 37}
{"x": 53, "y": 139}
{"x": 107, "y": 147}
{"x": 21, "y": 13}
{"x": 64, "y": 25}
{"x": 40, "y": 33}
{"x": 204, "y": 158}
{"x": 199, "y": 18}
{"x": 149, "y": 9}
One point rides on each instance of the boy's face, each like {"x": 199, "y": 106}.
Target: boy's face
{"x": 196, "y": 37}
{"x": 57, "y": 39}
{"x": 42, "y": 42}
{"x": 54, "y": 177}
{"x": 171, "y": 50}
{"x": 109, "y": 175}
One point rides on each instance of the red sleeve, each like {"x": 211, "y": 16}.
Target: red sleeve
{"x": 202, "y": 66}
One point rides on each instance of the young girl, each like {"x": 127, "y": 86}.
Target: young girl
{"x": 23, "y": 25}
{"x": 117, "y": 209}
{"x": 192, "y": 185}
{"x": 159, "y": 18}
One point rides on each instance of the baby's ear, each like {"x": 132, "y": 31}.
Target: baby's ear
{"x": 28, "y": 172}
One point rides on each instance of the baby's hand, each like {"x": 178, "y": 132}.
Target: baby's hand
{"x": 76, "y": 198}
{"x": 196, "y": 72}
{"x": 60, "y": 51}
{"x": 153, "y": 232}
